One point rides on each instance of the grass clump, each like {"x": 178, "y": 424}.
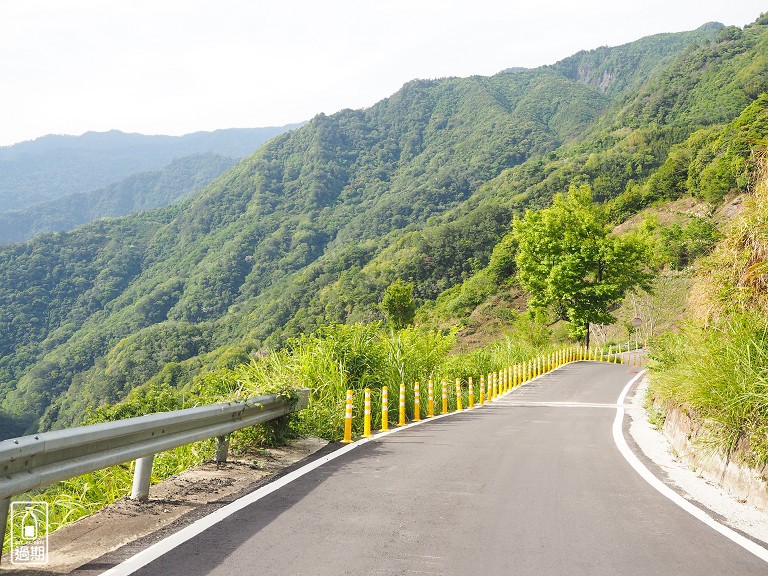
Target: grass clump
{"x": 719, "y": 376}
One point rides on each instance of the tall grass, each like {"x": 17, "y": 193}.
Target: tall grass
{"x": 719, "y": 375}
{"x": 347, "y": 357}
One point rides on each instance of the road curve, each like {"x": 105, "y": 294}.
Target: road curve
{"x": 530, "y": 485}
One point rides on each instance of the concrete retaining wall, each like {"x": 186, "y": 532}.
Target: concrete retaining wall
{"x": 742, "y": 482}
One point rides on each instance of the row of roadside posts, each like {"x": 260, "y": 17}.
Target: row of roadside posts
{"x": 491, "y": 387}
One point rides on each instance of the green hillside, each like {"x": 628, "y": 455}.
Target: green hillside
{"x": 314, "y": 226}
{"x": 142, "y": 191}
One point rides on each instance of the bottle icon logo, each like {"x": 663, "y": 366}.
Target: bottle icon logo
{"x": 29, "y": 533}
{"x": 29, "y": 528}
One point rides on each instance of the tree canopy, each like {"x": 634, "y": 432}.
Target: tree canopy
{"x": 398, "y": 304}
{"x": 570, "y": 263}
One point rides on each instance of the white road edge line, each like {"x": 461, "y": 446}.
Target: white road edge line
{"x": 154, "y": 552}
{"x": 647, "y": 475}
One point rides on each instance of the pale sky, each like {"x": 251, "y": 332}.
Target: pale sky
{"x": 178, "y": 66}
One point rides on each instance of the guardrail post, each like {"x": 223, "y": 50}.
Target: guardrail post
{"x": 384, "y": 409}
{"x": 430, "y": 399}
{"x": 401, "y": 413}
{"x": 444, "y": 392}
{"x": 367, "y": 413}
{"x": 4, "y": 505}
{"x": 416, "y": 403}
{"x": 222, "y": 449}
{"x": 348, "y": 419}
{"x": 141, "y": 478}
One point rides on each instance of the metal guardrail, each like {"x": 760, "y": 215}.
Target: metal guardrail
{"x": 39, "y": 460}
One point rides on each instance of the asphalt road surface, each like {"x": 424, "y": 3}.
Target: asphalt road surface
{"x": 530, "y": 485}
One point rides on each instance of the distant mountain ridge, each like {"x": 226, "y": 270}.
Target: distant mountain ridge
{"x": 143, "y": 191}
{"x": 54, "y": 166}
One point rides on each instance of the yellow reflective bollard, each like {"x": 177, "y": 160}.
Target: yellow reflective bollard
{"x": 430, "y": 399}
{"x": 401, "y": 414}
{"x": 482, "y": 390}
{"x": 495, "y": 386}
{"x": 367, "y": 413}
{"x": 458, "y": 395}
{"x": 416, "y": 403}
{"x": 348, "y": 419}
{"x": 384, "y": 409}
{"x": 471, "y": 393}
{"x": 444, "y": 391}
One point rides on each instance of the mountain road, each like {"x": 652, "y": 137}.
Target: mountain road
{"x": 531, "y": 484}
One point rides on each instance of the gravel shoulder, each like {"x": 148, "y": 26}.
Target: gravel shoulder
{"x": 675, "y": 472}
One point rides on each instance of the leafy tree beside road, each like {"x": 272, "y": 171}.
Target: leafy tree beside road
{"x": 569, "y": 262}
{"x": 398, "y": 305}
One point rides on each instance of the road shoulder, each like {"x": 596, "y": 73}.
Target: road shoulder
{"x": 741, "y": 517}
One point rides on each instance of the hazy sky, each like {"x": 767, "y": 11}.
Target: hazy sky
{"x": 177, "y": 66}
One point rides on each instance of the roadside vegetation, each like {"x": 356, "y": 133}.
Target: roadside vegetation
{"x": 716, "y": 368}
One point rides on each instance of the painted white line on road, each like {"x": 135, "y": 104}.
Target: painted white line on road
{"x": 563, "y": 404}
{"x": 647, "y": 475}
{"x": 155, "y": 551}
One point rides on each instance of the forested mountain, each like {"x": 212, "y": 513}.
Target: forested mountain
{"x": 142, "y": 191}
{"x": 54, "y": 166}
{"x": 312, "y": 227}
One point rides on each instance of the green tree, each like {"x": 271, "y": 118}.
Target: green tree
{"x": 398, "y": 305}
{"x": 569, "y": 261}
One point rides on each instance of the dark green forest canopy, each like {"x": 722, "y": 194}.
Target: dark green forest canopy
{"x": 315, "y": 225}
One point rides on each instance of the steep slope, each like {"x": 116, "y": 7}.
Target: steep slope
{"x": 619, "y": 70}
{"x": 307, "y": 230}
{"x": 705, "y": 86}
{"x": 54, "y": 166}
{"x": 137, "y": 192}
